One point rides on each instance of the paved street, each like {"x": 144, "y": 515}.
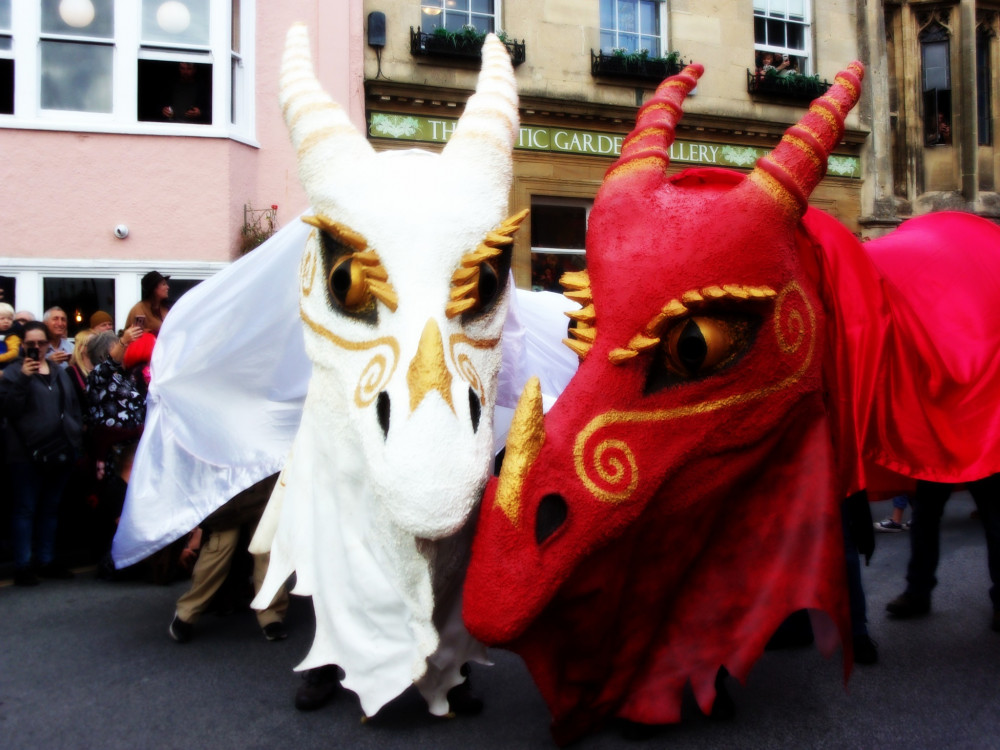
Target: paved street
{"x": 88, "y": 664}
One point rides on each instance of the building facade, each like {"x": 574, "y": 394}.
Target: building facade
{"x": 584, "y": 66}
{"x": 146, "y": 134}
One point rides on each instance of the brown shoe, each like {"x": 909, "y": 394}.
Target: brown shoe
{"x": 320, "y": 686}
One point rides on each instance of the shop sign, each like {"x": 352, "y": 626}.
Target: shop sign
{"x": 588, "y": 142}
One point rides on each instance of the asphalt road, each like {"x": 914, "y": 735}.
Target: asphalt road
{"x": 88, "y": 664}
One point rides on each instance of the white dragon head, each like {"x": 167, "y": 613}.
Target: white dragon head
{"x": 403, "y": 289}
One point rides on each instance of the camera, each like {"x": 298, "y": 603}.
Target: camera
{"x": 32, "y": 352}
{"x": 140, "y": 320}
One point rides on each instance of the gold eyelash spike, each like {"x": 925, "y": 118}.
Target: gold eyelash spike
{"x": 575, "y": 280}
{"x": 585, "y": 315}
{"x": 762, "y": 292}
{"x": 641, "y": 343}
{"x": 691, "y": 297}
{"x": 512, "y": 223}
{"x": 384, "y": 293}
{"x": 580, "y": 348}
{"x": 713, "y": 292}
{"x": 583, "y": 296}
{"x": 617, "y": 356}
{"x": 340, "y": 232}
{"x": 464, "y": 275}
{"x": 584, "y": 334}
{"x": 459, "y": 306}
{"x": 461, "y": 292}
{"x": 734, "y": 290}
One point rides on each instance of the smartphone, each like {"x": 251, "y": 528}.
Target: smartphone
{"x": 33, "y": 353}
{"x": 785, "y": 58}
{"x": 140, "y": 320}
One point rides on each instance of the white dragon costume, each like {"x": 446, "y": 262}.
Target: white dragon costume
{"x": 403, "y": 294}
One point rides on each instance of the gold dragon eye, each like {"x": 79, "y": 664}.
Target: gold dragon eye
{"x": 481, "y": 274}
{"x": 700, "y": 345}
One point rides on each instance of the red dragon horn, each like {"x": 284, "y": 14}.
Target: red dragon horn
{"x": 647, "y": 147}
{"x": 790, "y": 172}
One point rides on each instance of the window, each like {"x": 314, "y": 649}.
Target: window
{"x": 454, "y": 15}
{"x": 6, "y": 61}
{"x": 936, "y": 77}
{"x": 781, "y": 27}
{"x": 631, "y": 25}
{"x": 558, "y": 232}
{"x": 174, "y": 67}
{"x": 984, "y": 80}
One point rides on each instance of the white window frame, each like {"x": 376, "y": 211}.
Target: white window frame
{"x": 30, "y": 274}
{"x": 662, "y": 15}
{"x": 772, "y": 10}
{"x": 128, "y": 50}
{"x": 445, "y": 11}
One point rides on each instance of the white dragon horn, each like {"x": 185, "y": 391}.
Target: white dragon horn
{"x": 488, "y": 128}
{"x": 324, "y": 138}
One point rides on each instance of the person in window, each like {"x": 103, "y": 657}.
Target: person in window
{"x": 44, "y": 425}
{"x": 58, "y": 325}
{"x": 771, "y": 61}
{"x": 186, "y": 103}
{"x": 943, "y": 134}
{"x": 148, "y": 313}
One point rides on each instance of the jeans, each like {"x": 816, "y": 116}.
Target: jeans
{"x": 925, "y": 533}
{"x": 37, "y": 491}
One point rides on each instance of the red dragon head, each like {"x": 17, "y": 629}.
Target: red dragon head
{"x": 678, "y": 502}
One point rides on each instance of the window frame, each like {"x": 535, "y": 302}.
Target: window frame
{"x": 935, "y": 100}
{"x": 587, "y": 204}
{"x": 660, "y": 9}
{"x": 233, "y": 110}
{"x": 497, "y": 15}
{"x": 804, "y": 56}
{"x": 29, "y": 276}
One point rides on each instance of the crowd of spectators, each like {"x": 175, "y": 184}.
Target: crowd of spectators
{"x": 71, "y": 414}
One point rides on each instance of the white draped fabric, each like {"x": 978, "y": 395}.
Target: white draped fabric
{"x": 229, "y": 378}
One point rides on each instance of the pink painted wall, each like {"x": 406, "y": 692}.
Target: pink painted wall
{"x": 181, "y": 197}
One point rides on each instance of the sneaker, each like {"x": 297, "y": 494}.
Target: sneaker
{"x": 275, "y": 631}
{"x": 865, "y": 650}
{"x": 181, "y": 631}
{"x": 906, "y": 606}
{"x": 887, "y": 524}
{"x": 320, "y": 686}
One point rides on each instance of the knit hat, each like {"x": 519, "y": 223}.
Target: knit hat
{"x": 100, "y": 317}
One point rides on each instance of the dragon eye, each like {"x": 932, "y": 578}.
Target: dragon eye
{"x": 347, "y": 284}
{"x": 699, "y": 346}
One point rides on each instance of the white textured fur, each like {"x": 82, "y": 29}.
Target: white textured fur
{"x": 374, "y": 526}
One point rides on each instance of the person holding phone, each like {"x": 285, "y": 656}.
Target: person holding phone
{"x": 43, "y": 436}
{"x": 148, "y": 313}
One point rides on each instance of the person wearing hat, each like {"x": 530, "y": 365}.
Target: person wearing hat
{"x": 101, "y": 321}
{"x": 148, "y": 313}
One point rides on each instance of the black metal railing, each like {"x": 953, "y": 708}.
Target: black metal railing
{"x": 635, "y": 65}
{"x": 459, "y": 45}
{"x": 793, "y": 87}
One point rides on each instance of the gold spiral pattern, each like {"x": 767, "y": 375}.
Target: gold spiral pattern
{"x": 307, "y": 268}
{"x": 609, "y": 469}
{"x": 465, "y": 367}
{"x": 374, "y": 377}
{"x": 463, "y": 362}
{"x": 790, "y": 328}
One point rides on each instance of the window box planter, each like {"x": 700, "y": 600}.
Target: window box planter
{"x": 793, "y": 87}
{"x": 635, "y": 65}
{"x": 461, "y": 45}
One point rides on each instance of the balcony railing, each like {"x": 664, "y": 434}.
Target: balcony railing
{"x": 635, "y": 65}
{"x": 461, "y": 45}
{"x": 792, "y": 87}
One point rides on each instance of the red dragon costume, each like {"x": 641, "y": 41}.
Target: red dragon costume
{"x": 744, "y": 357}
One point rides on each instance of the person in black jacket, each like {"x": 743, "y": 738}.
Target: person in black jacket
{"x": 43, "y": 436}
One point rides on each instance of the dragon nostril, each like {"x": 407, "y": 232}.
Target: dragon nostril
{"x": 551, "y": 514}
{"x": 475, "y": 409}
{"x": 382, "y": 410}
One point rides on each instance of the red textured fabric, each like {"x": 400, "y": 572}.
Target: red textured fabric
{"x": 702, "y": 507}
{"x": 140, "y": 351}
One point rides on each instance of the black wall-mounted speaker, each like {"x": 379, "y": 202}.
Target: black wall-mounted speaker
{"x": 376, "y": 29}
